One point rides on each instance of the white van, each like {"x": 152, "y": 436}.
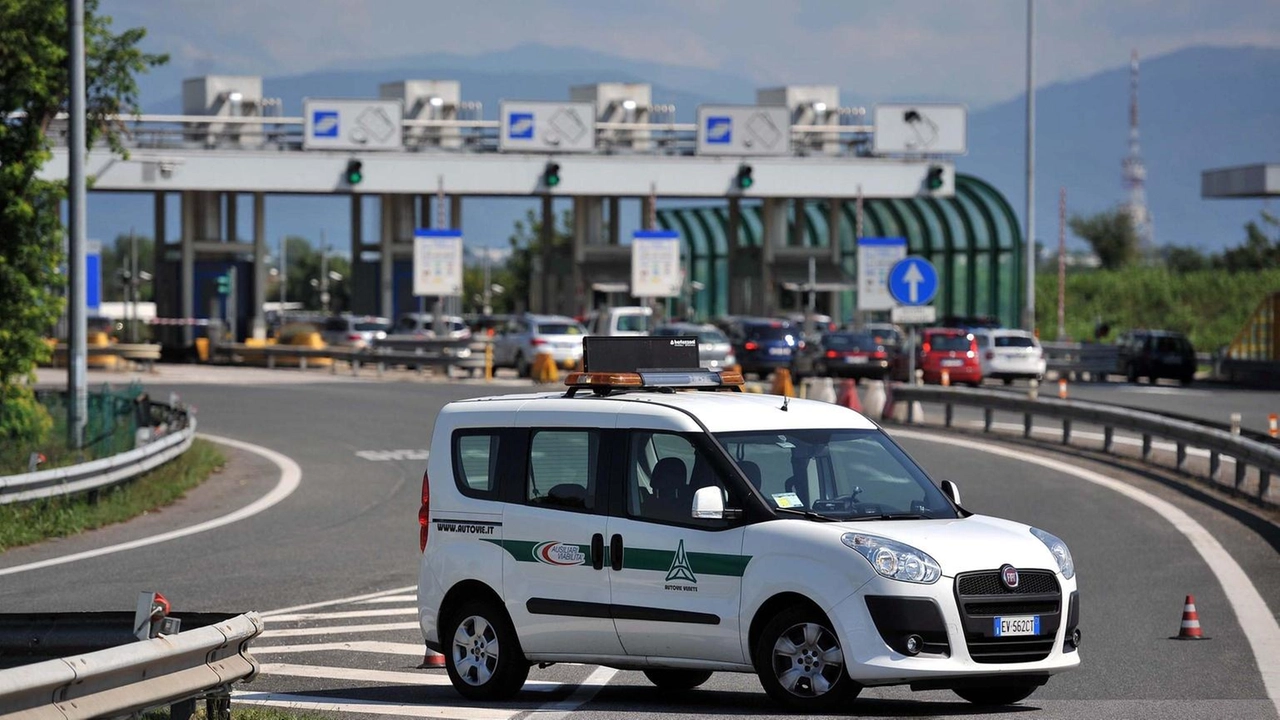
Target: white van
{"x": 629, "y": 523}
{"x": 620, "y": 321}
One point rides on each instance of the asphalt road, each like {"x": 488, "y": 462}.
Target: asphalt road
{"x": 350, "y": 530}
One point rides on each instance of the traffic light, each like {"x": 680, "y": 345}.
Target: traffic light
{"x": 224, "y": 284}
{"x": 551, "y": 175}
{"x": 933, "y": 180}
{"x": 355, "y": 172}
{"x": 744, "y": 179}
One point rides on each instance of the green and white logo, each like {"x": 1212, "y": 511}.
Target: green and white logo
{"x": 680, "y": 569}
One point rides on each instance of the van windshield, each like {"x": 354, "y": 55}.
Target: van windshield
{"x": 633, "y": 323}
{"x": 838, "y": 473}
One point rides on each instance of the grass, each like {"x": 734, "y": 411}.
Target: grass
{"x": 32, "y": 522}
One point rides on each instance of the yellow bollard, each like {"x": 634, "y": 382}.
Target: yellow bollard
{"x": 782, "y": 383}
{"x": 488, "y": 362}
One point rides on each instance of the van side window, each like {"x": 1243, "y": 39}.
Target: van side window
{"x": 475, "y": 462}
{"x": 562, "y": 468}
{"x": 664, "y": 472}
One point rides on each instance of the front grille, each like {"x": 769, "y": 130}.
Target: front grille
{"x": 981, "y": 596}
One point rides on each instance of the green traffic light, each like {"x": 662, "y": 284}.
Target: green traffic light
{"x": 551, "y": 175}
{"x": 933, "y": 180}
{"x": 745, "y": 180}
{"x": 355, "y": 172}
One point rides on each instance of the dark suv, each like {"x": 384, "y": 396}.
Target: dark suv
{"x": 763, "y": 345}
{"x": 1156, "y": 354}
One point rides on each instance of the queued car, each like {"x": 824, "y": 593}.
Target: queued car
{"x": 354, "y": 331}
{"x": 1156, "y": 354}
{"x": 654, "y": 521}
{"x": 845, "y": 355}
{"x": 526, "y": 336}
{"x": 887, "y": 334}
{"x": 714, "y": 350}
{"x": 952, "y": 350}
{"x": 1010, "y": 355}
{"x": 763, "y": 345}
{"x": 424, "y": 324}
{"x": 620, "y": 321}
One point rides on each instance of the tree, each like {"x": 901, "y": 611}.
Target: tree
{"x": 1111, "y": 235}
{"x": 307, "y": 267}
{"x": 1258, "y": 251}
{"x": 1185, "y": 259}
{"x": 34, "y": 88}
{"x": 526, "y": 252}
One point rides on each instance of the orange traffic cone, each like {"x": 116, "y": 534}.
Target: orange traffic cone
{"x": 431, "y": 659}
{"x": 1190, "y": 629}
{"x": 849, "y": 395}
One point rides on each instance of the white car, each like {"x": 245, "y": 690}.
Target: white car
{"x": 629, "y": 524}
{"x": 1009, "y": 355}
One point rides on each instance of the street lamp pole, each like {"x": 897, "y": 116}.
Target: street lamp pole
{"x": 1029, "y": 310}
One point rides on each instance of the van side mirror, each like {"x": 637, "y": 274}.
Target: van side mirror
{"x": 708, "y": 503}
{"x": 952, "y": 491}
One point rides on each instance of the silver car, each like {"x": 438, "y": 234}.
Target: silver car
{"x": 354, "y": 331}
{"x": 714, "y": 350}
{"x": 527, "y": 336}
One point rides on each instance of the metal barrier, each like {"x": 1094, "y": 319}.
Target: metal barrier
{"x": 416, "y": 352}
{"x": 121, "y": 679}
{"x": 174, "y": 431}
{"x": 1265, "y": 457}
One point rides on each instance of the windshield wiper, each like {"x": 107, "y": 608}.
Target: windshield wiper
{"x": 893, "y": 516}
{"x": 808, "y": 514}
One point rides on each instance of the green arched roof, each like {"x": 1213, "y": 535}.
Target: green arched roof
{"x": 973, "y": 238}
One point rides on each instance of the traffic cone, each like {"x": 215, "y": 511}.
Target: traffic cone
{"x": 431, "y": 659}
{"x": 849, "y": 395}
{"x": 1190, "y": 629}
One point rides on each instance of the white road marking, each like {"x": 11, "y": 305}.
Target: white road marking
{"x": 1158, "y": 390}
{"x": 368, "y": 707}
{"x": 365, "y": 646}
{"x": 389, "y": 455}
{"x": 290, "y": 478}
{"x": 338, "y": 629}
{"x": 433, "y": 679}
{"x": 389, "y": 599}
{"x": 1255, "y": 617}
{"x": 297, "y": 617}
{"x": 339, "y": 601}
{"x": 581, "y": 696}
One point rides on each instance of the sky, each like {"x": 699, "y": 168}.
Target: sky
{"x": 971, "y": 50}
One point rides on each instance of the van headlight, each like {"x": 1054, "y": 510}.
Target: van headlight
{"x": 894, "y": 560}
{"x": 1060, "y": 552}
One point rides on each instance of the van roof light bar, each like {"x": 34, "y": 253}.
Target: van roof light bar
{"x": 664, "y": 364}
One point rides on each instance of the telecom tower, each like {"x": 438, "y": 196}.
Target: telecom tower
{"x": 1135, "y": 172}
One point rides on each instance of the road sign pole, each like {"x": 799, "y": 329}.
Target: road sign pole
{"x": 77, "y": 350}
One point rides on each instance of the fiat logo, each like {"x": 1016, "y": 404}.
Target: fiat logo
{"x": 1009, "y": 577}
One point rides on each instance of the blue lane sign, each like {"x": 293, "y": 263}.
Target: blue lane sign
{"x": 324, "y": 123}
{"x": 913, "y": 281}
{"x": 520, "y": 126}
{"x": 719, "y": 130}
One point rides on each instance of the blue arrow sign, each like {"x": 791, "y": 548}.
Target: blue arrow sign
{"x": 913, "y": 281}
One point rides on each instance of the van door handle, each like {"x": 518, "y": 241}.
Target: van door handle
{"x": 597, "y": 551}
{"x": 615, "y": 552}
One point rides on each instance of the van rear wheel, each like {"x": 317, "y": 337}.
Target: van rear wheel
{"x": 677, "y": 679}
{"x": 482, "y": 654}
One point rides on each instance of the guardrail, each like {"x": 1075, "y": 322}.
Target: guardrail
{"x": 417, "y": 352}
{"x": 145, "y": 353}
{"x": 121, "y": 679}
{"x": 173, "y": 435}
{"x": 1246, "y": 452}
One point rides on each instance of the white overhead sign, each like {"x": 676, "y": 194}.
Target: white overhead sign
{"x": 352, "y": 124}
{"x": 547, "y": 127}
{"x": 876, "y": 256}
{"x": 920, "y": 129}
{"x": 655, "y": 264}
{"x": 437, "y": 262}
{"x": 744, "y": 130}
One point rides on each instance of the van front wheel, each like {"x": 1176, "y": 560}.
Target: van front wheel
{"x": 800, "y": 662}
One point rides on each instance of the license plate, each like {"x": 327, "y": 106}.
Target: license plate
{"x": 1017, "y": 625}
{"x": 856, "y": 359}
{"x": 952, "y": 363}
{"x": 779, "y": 351}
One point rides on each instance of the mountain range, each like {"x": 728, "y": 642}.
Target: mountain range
{"x": 1201, "y": 108}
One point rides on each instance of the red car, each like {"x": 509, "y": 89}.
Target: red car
{"x": 953, "y": 350}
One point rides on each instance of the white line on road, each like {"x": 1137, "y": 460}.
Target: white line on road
{"x": 290, "y": 478}
{"x": 1255, "y": 617}
{"x": 432, "y": 679}
{"x": 389, "y": 599}
{"x": 387, "y": 612}
{"x": 338, "y": 630}
{"x": 365, "y": 646}
{"x": 580, "y": 697}
{"x": 368, "y": 707}
{"x": 339, "y": 601}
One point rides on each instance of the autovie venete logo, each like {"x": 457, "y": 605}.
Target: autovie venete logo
{"x": 558, "y": 553}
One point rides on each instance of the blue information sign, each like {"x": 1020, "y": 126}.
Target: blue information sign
{"x": 913, "y": 281}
